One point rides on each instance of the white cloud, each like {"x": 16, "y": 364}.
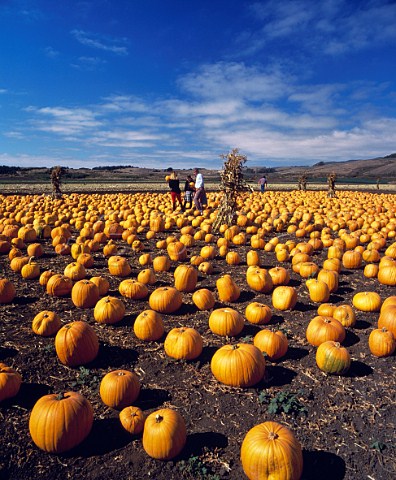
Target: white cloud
{"x": 236, "y": 80}
{"x": 92, "y": 40}
{"x": 291, "y": 122}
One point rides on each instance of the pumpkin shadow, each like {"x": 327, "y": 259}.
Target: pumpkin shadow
{"x": 305, "y": 307}
{"x": 277, "y": 376}
{"x": 276, "y": 320}
{"x": 28, "y": 395}
{"x": 25, "y": 300}
{"x": 350, "y": 339}
{"x": 323, "y": 465}
{"x": 127, "y": 321}
{"x": 359, "y": 369}
{"x": 206, "y": 355}
{"x": 106, "y": 435}
{"x": 249, "y": 330}
{"x": 6, "y": 352}
{"x": 296, "y": 353}
{"x": 186, "y": 309}
{"x": 344, "y": 290}
{"x": 198, "y": 443}
{"x": 152, "y": 398}
{"x": 246, "y": 296}
{"x": 114, "y": 356}
{"x": 362, "y": 325}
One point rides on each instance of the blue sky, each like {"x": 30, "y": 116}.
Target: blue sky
{"x": 177, "y": 83}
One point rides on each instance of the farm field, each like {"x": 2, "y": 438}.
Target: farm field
{"x": 345, "y": 423}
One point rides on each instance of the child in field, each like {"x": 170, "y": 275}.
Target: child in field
{"x": 188, "y": 191}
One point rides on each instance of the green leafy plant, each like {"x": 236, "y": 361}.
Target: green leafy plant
{"x": 86, "y": 378}
{"x": 379, "y": 446}
{"x": 195, "y": 467}
{"x": 284, "y": 401}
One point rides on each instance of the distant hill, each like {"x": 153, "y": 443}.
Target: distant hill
{"x": 383, "y": 168}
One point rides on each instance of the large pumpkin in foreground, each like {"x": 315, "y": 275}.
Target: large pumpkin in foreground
{"x": 271, "y": 451}
{"x": 60, "y": 422}
{"x": 164, "y": 434}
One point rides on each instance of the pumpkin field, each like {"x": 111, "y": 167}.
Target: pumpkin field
{"x": 137, "y": 342}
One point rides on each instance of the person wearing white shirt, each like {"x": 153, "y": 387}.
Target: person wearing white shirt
{"x": 199, "y": 190}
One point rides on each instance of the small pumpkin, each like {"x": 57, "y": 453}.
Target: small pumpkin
{"x": 84, "y": 294}
{"x": 148, "y": 326}
{"x": 31, "y": 270}
{"x": 226, "y": 322}
{"x": 258, "y": 313}
{"x": 147, "y": 276}
{"x": 46, "y": 323}
{"x": 318, "y": 290}
{"x": 284, "y": 297}
{"x": 321, "y": 329}
{"x": 7, "y": 291}
{"x": 186, "y": 277}
{"x": 10, "y": 382}
{"x": 274, "y": 344}
{"x": 102, "y": 283}
{"x": 183, "y": 343}
{"x": 164, "y": 434}
{"x": 333, "y": 358}
{"x": 76, "y": 344}
{"x": 367, "y": 301}
{"x": 259, "y": 279}
{"x": 59, "y": 285}
{"x": 119, "y": 388}
{"x": 118, "y": 266}
{"x": 382, "y": 342}
{"x": 165, "y": 300}
{"x": 345, "y": 315}
{"x": 227, "y": 289}
{"x": 132, "y": 419}
{"x": 203, "y": 299}
{"x": 239, "y": 365}
{"x": 133, "y": 289}
{"x": 109, "y": 310}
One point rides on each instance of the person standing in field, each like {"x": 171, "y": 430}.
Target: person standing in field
{"x": 189, "y": 189}
{"x": 174, "y": 185}
{"x": 200, "y": 195}
{"x": 263, "y": 183}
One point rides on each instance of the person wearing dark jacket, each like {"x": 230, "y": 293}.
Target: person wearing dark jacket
{"x": 174, "y": 185}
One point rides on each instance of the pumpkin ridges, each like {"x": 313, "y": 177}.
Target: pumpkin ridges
{"x": 59, "y": 424}
{"x": 270, "y": 450}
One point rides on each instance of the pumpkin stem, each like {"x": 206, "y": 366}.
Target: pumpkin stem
{"x": 337, "y": 344}
{"x": 273, "y": 436}
{"x": 159, "y": 418}
{"x": 61, "y": 396}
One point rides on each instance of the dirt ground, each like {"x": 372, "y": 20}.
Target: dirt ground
{"x": 346, "y": 425}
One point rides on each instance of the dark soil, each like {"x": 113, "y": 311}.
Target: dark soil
{"x": 346, "y": 425}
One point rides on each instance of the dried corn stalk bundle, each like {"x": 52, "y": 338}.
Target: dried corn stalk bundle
{"x": 231, "y": 184}
{"x": 302, "y": 182}
{"x": 56, "y": 174}
{"x": 331, "y": 185}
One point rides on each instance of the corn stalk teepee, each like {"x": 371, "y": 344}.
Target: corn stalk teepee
{"x": 231, "y": 184}
{"x": 56, "y": 174}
